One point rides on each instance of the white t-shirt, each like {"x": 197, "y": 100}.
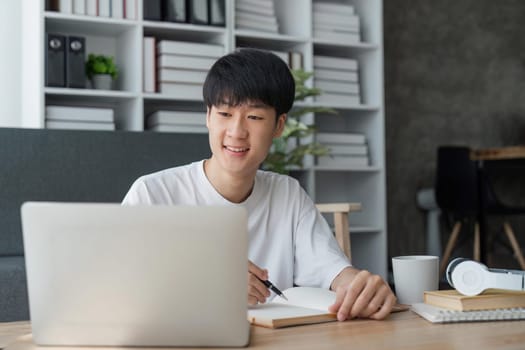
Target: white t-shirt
{"x": 287, "y": 235}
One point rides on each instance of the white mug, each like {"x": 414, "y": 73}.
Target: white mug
{"x": 413, "y": 275}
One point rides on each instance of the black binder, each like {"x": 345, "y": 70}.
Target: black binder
{"x": 216, "y": 13}
{"x": 55, "y": 70}
{"x": 175, "y": 10}
{"x": 152, "y": 10}
{"x": 75, "y": 58}
{"x": 198, "y": 11}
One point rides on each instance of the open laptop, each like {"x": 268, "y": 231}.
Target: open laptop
{"x": 112, "y": 275}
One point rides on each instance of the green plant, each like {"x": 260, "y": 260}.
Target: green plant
{"x": 287, "y": 151}
{"x": 101, "y": 64}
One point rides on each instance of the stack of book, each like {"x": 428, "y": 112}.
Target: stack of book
{"x": 182, "y": 75}
{"x": 345, "y": 150}
{"x": 451, "y": 306}
{"x": 256, "y": 15}
{"x": 82, "y": 118}
{"x": 177, "y": 121}
{"x": 102, "y": 8}
{"x": 335, "y": 22}
{"x": 338, "y": 79}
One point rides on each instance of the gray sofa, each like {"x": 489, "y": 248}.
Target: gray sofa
{"x": 67, "y": 165}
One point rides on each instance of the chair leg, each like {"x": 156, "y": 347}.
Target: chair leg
{"x": 450, "y": 245}
{"x": 477, "y": 249}
{"x": 514, "y": 243}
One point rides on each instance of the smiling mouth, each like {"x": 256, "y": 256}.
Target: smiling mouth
{"x": 236, "y": 149}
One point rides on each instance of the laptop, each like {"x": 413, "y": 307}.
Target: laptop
{"x": 112, "y": 275}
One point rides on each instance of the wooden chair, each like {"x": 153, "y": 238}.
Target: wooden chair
{"x": 342, "y": 229}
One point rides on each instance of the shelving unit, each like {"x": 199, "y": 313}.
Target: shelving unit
{"x": 123, "y": 38}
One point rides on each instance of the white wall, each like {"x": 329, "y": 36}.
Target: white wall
{"x": 10, "y": 66}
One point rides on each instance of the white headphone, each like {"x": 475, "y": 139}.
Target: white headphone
{"x": 471, "y": 277}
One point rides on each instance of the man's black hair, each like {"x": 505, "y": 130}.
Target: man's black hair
{"x": 250, "y": 75}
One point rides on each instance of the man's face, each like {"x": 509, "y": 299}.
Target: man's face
{"x": 241, "y": 136}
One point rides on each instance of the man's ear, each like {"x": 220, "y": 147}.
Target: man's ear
{"x": 208, "y": 111}
{"x": 279, "y": 127}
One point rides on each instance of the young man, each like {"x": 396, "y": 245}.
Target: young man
{"x": 248, "y": 94}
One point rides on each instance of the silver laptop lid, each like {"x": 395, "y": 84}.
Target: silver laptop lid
{"x": 106, "y": 274}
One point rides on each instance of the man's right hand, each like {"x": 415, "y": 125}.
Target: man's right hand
{"x": 257, "y": 291}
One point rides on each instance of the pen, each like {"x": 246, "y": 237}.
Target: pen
{"x": 273, "y": 288}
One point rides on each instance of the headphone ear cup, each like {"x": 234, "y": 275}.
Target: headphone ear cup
{"x": 469, "y": 277}
{"x": 450, "y": 268}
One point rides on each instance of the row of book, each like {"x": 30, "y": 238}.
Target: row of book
{"x": 65, "y": 61}
{"x": 336, "y": 22}
{"x": 256, "y": 15}
{"x": 338, "y": 79}
{"x": 203, "y": 12}
{"x": 103, "y": 8}
{"x": 177, "y": 121}
{"x": 178, "y": 68}
{"x": 79, "y": 118}
{"x": 450, "y": 306}
{"x": 345, "y": 149}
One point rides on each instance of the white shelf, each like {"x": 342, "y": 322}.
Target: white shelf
{"x": 123, "y": 39}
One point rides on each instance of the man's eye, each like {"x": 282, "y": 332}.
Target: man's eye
{"x": 223, "y": 114}
{"x": 254, "y": 117}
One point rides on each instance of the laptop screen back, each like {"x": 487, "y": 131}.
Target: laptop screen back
{"x": 112, "y": 275}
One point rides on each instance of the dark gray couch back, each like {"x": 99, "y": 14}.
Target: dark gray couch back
{"x": 83, "y": 166}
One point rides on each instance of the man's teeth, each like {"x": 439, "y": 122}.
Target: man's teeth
{"x": 234, "y": 149}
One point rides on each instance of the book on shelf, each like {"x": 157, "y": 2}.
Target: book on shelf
{"x": 184, "y": 61}
{"x": 351, "y": 21}
{"x": 104, "y": 8}
{"x": 335, "y": 74}
{"x": 305, "y": 305}
{"x": 262, "y": 19}
{"x": 193, "y": 129}
{"x": 181, "y": 75}
{"x": 181, "y": 90}
{"x": 241, "y": 23}
{"x": 217, "y": 13}
{"x": 197, "y": 12}
{"x": 335, "y": 8}
{"x": 256, "y": 3}
{"x": 343, "y": 160}
{"x": 491, "y": 299}
{"x": 342, "y": 149}
{"x": 337, "y": 86}
{"x": 152, "y": 10}
{"x": 258, "y": 10}
{"x": 436, "y": 314}
{"x": 338, "y": 99}
{"x": 332, "y": 62}
{"x": 149, "y": 80}
{"x": 79, "y": 7}
{"x": 117, "y": 8}
{"x": 91, "y": 7}
{"x": 344, "y": 138}
{"x": 130, "y": 9}
{"x": 87, "y": 114}
{"x": 177, "y": 118}
{"x": 74, "y": 125}
{"x": 334, "y": 36}
{"x": 196, "y": 49}
{"x": 174, "y": 11}
{"x": 55, "y": 60}
{"x": 65, "y": 6}
{"x": 75, "y": 62}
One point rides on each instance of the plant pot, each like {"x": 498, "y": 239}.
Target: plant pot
{"x": 101, "y": 81}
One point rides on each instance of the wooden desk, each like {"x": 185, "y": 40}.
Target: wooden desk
{"x": 514, "y": 152}
{"x": 404, "y": 330}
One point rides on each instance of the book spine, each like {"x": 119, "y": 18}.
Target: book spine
{"x": 117, "y": 9}
{"x": 75, "y": 58}
{"x": 55, "y": 65}
{"x": 181, "y": 76}
{"x": 149, "y": 64}
{"x": 79, "y": 7}
{"x": 188, "y": 62}
{"x": 195, "y": 49}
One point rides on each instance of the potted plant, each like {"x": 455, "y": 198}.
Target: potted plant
{"x": 101, "y": 69}
{"x": 287, "y": 151}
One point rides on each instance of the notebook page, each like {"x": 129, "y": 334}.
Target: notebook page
{"x": 308, "y": 297}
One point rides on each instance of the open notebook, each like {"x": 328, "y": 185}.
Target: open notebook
{"x": 305, "y": 305}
